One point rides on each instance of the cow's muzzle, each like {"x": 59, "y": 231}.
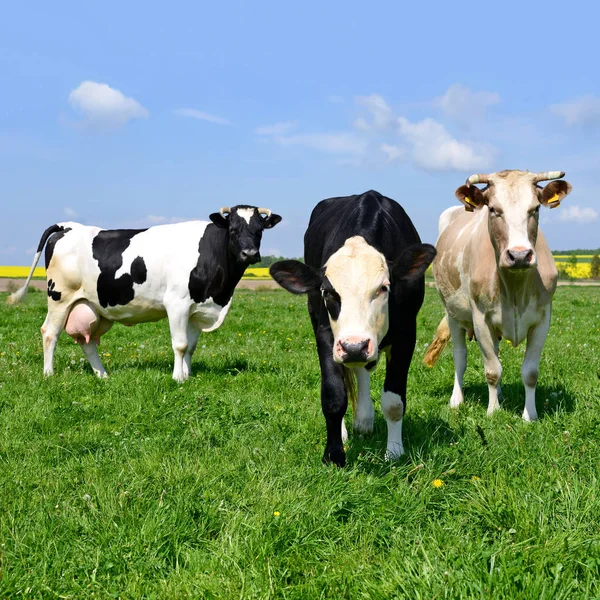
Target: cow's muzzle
{"x": 519, "y": 259}
{"x": 250, "y": 257}
{"x": 354, "y": 350}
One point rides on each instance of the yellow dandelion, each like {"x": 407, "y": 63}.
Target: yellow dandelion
{"x": 437, "y": 483}
{"x": 276, "y": 513}
{"x": 475, "y": 478}
{"x": 107, "y": 354}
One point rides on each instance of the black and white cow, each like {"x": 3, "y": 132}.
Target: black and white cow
{"x": 185, "y": 271}
{"x": 364, "y": 276}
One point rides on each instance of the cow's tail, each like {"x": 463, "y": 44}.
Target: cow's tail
{"x": 351, "y": 390}
{"x": 17, "y": 296}
{"x": 440, "y": 341}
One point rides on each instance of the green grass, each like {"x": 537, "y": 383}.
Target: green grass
{"x": 140, "y": 487}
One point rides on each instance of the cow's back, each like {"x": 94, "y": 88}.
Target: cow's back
{"x": 381, "y": 221}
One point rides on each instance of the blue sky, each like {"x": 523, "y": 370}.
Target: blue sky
{"x": 130, "y": 114}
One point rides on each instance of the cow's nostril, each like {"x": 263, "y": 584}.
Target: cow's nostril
{"x": 355, "y": 351}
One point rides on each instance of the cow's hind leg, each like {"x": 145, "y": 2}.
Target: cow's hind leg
{"x": 459, "y": 353}
{"x": 193, "y": 333}
{"x": 536, "y": 338}
{"x": 178, "y": 324}
{"x": 364, "y": 415}
{"x": 51, "y": 329}
{"x": 91, "y": 353}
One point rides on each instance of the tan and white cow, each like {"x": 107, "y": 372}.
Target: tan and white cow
{"x": 496, "y": 275}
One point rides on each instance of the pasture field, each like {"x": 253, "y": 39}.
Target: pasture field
{"x": 139, "y": 487}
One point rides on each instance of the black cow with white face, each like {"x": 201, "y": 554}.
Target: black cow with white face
{"x": 364, "y": 276}
{"x": 185, "y": 271}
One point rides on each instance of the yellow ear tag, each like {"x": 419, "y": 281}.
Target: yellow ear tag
{"x": 470, "y": 203}
{"x": 554, "y": 201}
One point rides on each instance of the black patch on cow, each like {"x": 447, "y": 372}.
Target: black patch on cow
{"x": 333, "y": 302}
{"x": 52, "y": 293}
{"x": 138, "y": 270}
{"x": 107, "y": 248}
{"x": 56, "y": 233}
{"x": 216, "y": 273}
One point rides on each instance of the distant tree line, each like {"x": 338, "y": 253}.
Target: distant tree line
{"x": 267, "y": 261}
{"x": 580, "y": 251}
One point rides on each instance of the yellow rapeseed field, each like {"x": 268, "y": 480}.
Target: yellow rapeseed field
{"x": 253, "y": 273}
{"x": 581, "y": 271}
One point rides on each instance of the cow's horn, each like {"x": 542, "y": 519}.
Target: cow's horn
{"x": 264, "y": 211}
{"x": 478, "y": 178}
{"x": 548, "y": 175}
{"x": 224, "y": 209}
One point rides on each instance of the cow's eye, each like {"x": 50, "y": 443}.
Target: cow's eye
{"x": 384, "y": 289}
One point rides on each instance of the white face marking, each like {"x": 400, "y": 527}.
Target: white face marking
{"x": 511, "y": 210}
{"x": 246, "y": 213}
{"x": 359, "y": 275}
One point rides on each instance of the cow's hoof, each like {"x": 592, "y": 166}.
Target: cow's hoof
{"x": 337, "y": 456}
{"x": 529, "y": 417}
{"x": 363, "y": 424}
{"x": 394, "y": 452}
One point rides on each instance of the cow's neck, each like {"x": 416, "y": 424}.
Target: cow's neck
{"x": 517, "y": 291}
{"x": 216, "y": 273}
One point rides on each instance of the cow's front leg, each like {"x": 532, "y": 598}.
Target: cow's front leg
{"x": 364, "y": 414}
{"x": 488, "y": 344}
{"x": 334, "y": 399}
{"x": 178, "y": 324}
{"x": 393, "y": 396}
{"x": 536, "y": 337}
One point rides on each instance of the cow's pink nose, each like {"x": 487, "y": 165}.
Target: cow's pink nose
{"x": 355, "y": 350}
{"x": 519, "y": 258}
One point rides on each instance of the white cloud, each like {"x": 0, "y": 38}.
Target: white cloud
{"x": 271, "y": 252}
{"x": 69, "y": 212}
{"x": 330, "y": 143}
{"x": 202, "y": 116}
{"x": 583, "y": 111}
{"x": 578, "y": 214}
{"x": 392, "y": 152}
{"x": 100, "y": 103}
{"x": 433, "y": 148}
{"x": 465, "y": 106}
{"x": 383, "y": 117}
{"x": 275, "y": 129}
{"x": 150, "y": 221}
{"x": 380, "y": 136}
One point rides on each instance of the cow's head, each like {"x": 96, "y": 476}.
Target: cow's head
{"x": 245, "y": 225}
{"x": 355, "y": 284}
{"x": 512, "y": 200}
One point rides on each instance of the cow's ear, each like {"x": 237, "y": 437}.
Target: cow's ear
{"x": 413, "y": 262}
{"x": 271, "y": 221}
{"x": 219, "y": 220}
{"x": 553, "y": 194}
{"x": 295, "y": 276}
{"x": 471, "y": 196}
